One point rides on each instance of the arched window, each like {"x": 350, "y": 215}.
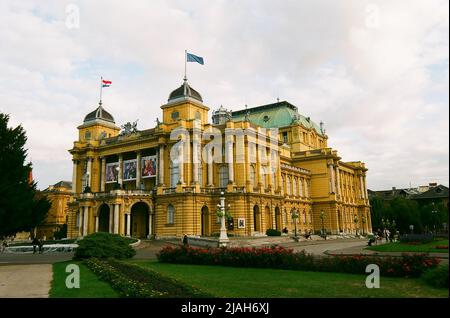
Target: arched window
{"x": 223, "y": 176}
{"x": 304, "y": 216}
{"x": 294, "y": 186}
{"x": 170, "y": 214}
{"x": 300, "y": 186}
{"x": 282, "y": 184}
{"x": 288, "y": 185}
{"x": 252, "y": 177}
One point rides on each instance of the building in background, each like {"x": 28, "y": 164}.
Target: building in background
{"x": 60, "y": 195}
{"x": 424, "y": 194}
{"x": 147, "y": 183}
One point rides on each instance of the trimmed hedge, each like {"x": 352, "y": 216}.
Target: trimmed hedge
{"x": 417, "y": 238}
{"x": 133, "y": 281}
{"x": 104, "y": 245}
{"x": 437, "y": 277}
{"x": 282, "y": 258}
{"x": 272, "y": 232}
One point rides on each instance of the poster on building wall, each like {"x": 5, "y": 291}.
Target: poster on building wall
{"x": 241, "y": 223}
{"x": 148, "y": 166}
{"x": 112, "y": 172}
{"x": 130, "y": 169}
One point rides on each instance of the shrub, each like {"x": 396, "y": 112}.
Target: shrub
{"x": 417, "y": 238}
{"x": 104, "y": 245}
{"x": 282, "y": 258}
{"x": 272, "y": 232}
{"x": 61, "y": 232}
{"x": 133, "y": 281}
{"x": 437, "y": 277}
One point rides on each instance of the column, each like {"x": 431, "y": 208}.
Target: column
{"x": 74, "y": 176}
{"x": 116, "y": 218}
{"x": 161, "y": 164}
{"x": 181, "y": 161}
{"x": 195, "y": 161}
{"x": 111, "y": 218}
{"x": 138, "y": 170}
{"x": 89, "y": 171}
{"x": 120, "y": 177}
{"x": 230, "y": 159}
{"x": 150, "y": 224}
{"x": 102, "y": 174}
{"x": 128, "y": 230}
{"x": 362, "y": 186}
{"x": 96, "y": 223}
{"x": 210, "y": 168}
{"x": 306, "y": 188}
{"x": 365, "y": 188}
{"x": 79, "y": 220}
{"x": 338, "y": 177}
{"x": 331, "y": 168}
{"x": 85, "y": 220}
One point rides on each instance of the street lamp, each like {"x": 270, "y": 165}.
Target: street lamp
{"x": 322, "y": 217}
{"x": 294, "y": 218}
{"x": 223, "y": 238}
{"x": 355, "y": 220}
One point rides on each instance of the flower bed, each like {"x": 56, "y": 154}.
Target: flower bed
{"x": 282, "y": 258}
{"x": 133, "y": 281}
{"x": 441, "y": 247}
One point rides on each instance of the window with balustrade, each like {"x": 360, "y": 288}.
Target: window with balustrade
{"x": 223, "y": 176}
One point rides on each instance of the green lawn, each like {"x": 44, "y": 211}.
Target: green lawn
{"x": 405, "y": 247}
{"x": 90, "y": 285}
{"x": 252, "y": 282}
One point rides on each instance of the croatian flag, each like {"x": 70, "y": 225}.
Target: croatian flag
{"x": 106, "y": 83}
{"x": 194, "y": 58}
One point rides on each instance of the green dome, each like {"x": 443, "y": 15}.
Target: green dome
{"x": 275, "y": 115}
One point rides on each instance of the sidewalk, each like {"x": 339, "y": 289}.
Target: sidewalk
{"x": 30, "y": 281}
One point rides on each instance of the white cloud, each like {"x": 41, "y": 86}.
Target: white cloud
{"x": 375, "y": 71}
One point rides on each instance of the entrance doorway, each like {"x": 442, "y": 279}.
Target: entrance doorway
{"x": 103, "y": 218}
{"x": 140, "y": 220}
{"x": 205, "y": 224}
{"x": 277, "y": 219}
{"x": 256, "y": 219}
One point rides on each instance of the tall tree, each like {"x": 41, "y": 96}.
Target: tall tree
{"x": 20, "y": 207}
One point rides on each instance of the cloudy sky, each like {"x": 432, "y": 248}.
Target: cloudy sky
{"x": 376, "y": 72}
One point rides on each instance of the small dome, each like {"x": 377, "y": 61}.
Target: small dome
{"x": 99, "y": 113}
{"x": 185, "y": 91}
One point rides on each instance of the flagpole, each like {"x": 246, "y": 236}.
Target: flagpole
{"x": 101, "y": 88}
{"x": 185, "y": 58}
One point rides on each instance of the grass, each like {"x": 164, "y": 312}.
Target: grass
{"x": 90, "y": 285}
{"x": 254, "y": 282}
{"x": 407, "y": 247}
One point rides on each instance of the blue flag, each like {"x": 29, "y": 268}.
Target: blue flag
{"x": 194, "y": 58}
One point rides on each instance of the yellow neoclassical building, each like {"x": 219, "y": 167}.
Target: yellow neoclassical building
{"x": 271, "y": 163}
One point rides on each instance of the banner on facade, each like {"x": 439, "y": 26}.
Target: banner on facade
{"x": 129, "y": 169}
{"x": 112, "y": 172}
{"x": 148, "y": 167}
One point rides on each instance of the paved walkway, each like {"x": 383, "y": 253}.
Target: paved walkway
{"x": 30, "y": 258}
{"x": 27, "y": 281}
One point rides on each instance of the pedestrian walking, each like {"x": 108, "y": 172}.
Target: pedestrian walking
{"x": 35, "y": 243}
{"x": 41, "y": 246}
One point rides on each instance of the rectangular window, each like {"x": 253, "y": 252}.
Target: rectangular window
{"x": 285, "y": 137}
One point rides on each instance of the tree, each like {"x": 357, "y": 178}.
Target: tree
{"x": 21, "y": 209}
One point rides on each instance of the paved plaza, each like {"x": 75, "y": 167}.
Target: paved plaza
{"x": 25, "y": 281}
